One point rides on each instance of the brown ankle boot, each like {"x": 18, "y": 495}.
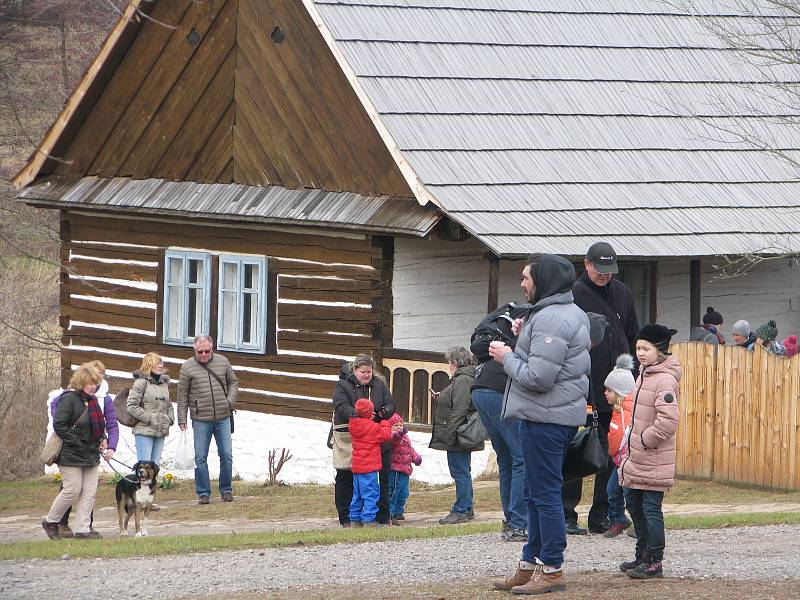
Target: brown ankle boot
{"x": 51, "y": 529}
{"x": 520, "y": 577}
{"x": 541, "y": 583}
{"x": 64, "y": 531}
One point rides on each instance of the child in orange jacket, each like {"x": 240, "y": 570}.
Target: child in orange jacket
{"x": 619, "y": 385}
{"x": 367, "y": 437}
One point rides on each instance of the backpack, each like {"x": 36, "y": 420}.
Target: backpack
{"x": 496, "y": 326}
{"x": 121, "y": 408}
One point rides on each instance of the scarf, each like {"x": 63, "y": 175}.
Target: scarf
{"x": 96, "y": 419}
{"x": 715, "y": 330}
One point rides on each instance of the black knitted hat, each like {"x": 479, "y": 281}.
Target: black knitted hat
{"x": 712, "y": 317}
{"x": 658, "y": 335}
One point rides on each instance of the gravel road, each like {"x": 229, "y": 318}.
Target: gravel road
{"x": 747, "y": 553}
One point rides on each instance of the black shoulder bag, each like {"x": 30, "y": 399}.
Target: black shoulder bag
{"x": 587, "y": 453}
{"x": 224, "y": 390}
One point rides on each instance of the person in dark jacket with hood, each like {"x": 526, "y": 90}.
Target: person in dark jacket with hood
{"x": 598, "y": 292}
{"x": 357, "y": 380}
{"x": 548, "y": 373}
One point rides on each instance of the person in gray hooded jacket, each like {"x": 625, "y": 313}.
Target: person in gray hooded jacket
{"x": 548, "y": 374}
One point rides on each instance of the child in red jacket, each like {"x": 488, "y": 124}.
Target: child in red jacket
{"x": 367, "y": 438}
{"x": 403, "y": 455}
{"x": 619, "y": 385}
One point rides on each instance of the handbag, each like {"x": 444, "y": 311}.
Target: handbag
{"x": 587, "y": 453}
{"x": 470, "y": 434}
{"x": 54, "y": 443}
{"x": 340, "y": 442}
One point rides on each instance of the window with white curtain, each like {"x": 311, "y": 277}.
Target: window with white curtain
{"x": 187, "y": 296}
{"x": 241, "y": 317}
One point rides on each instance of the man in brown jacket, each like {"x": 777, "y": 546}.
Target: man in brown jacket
{"x": 208, "y": 388}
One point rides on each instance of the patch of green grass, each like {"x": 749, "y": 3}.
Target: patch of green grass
{"x": 188, "y": 544}
{"x": 731, "y": 520}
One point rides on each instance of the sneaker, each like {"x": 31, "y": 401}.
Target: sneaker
{"x": 370, "y": 524}
{"x": 227, "y": 497}
{"x": 646, "y": 570}
{"x": 64, "y": 531}
{"x": 51, "y": 529}
{"x": 89, "y": 535}
{"x": 574, "y": 529}
{"x": 631, "y": 532}
{"x": 400, "y": 517}
{"x": 395, "y": 522}
{"x": 504, "y": 526}
{"x": 615, "y": 530}
{"x": 631, "y": 564}
{"x": 357, "y": 524}
{"x": 470, "y": 514}
{"x": 512, "y": 534}
{"x": 203, "y": 500}
{"x": 454, "y": 518}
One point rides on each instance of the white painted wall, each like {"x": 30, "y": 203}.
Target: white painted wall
{"x": 256, "y": 434}
{"x": 770, "y": 291}
{"x": 440, "y": 293}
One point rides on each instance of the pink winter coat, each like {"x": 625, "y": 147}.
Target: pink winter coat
{"x": 650, "y": 464}
{"x": 403, "y": 453}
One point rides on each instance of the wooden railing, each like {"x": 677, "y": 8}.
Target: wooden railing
{"x": 739, "y": 410}
{"x": 411, "y": 376}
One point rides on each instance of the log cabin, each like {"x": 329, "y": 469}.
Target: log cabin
{"x": 309, "y": 179}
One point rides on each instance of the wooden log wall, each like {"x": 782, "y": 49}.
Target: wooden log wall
{"x": 119, "y": 320}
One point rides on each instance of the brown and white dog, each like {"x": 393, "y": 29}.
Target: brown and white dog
{"x": 135, "y": 495}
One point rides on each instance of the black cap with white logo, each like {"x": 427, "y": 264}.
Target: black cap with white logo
{"x": 603, "y": 257}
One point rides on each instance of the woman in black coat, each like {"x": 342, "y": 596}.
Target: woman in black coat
{"x": 80, "y": 423}
{"x": 358, "y": 380}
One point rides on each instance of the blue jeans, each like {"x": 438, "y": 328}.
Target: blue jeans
{"x": 644, "y": 507}
{"x": 504, "y": 434}
{"x": 398, "y": 492}
{"x": 221, "y": 430}
{"x": 149, "y": 447}
{"x": 366, "y": 491}
{"x": 616, "y": 500}
{"x": 543, "y": 448}
{"x": 460, "y": 464}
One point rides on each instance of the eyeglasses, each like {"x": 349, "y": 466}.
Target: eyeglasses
{"x": 203, "y": 351}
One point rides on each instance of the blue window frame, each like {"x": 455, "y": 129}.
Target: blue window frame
{"x": 187, "y": 296}
{"x": 241, "y": 307}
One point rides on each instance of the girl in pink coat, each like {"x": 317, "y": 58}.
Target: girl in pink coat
{"x": 403, "y": 455}
{"x": 649, "y": 469}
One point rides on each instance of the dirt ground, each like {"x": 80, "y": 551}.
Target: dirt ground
{"x": 585, "y": 586}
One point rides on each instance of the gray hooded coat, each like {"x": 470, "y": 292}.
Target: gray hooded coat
{"x": 549, "y": 368}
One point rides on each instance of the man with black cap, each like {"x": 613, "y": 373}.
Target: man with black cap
{"x": 597, "y": 291}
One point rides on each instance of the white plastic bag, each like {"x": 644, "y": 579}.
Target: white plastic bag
{"x": 184, "y": 453}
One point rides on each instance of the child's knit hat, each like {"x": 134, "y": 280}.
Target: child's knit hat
{"x": 741, "y": 327}
{"x": 712, "y": 317}
{"x": 790, "y": 343}
{"x": 620, "y": 380}
{"x": 658, "y": 335}
{"x": 768, "y": 331}
{"x": 395, "y": 418}
{"x": 364, "y": 408}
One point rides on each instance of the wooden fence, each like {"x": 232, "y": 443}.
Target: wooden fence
{"x": 740, "y": 410}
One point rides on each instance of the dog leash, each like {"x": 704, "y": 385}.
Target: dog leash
{"x": 120, "y": 474}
